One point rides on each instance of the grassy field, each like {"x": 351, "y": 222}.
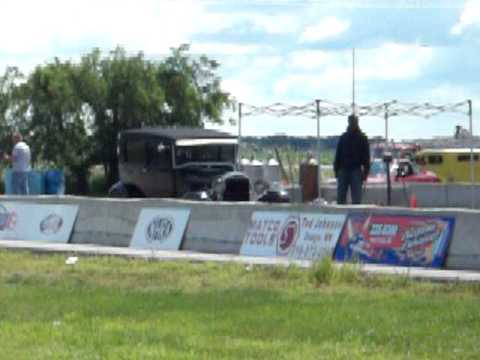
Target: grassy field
{"x": 112, "y": 308}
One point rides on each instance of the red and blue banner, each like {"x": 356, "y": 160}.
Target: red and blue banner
{"x": 401, "y": 240}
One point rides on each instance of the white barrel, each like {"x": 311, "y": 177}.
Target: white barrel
{"x": 254, "y": 171}
{"x": 244, "y": 162}
{"x": 272, "y": 171}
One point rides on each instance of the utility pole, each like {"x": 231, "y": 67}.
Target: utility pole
{"x": 353, "y": 81}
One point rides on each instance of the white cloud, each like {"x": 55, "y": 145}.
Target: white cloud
{"x": 275, "y": 24}
{"x": 147, "y": 25}
{"x": 448, "y": 94}
{"x": 59, "y": 28}
{"x": 332, "y": 75}
{"x": 334, "y": 83}
{"x": 267, "y": 62}
{"x": 328, "y": 27}
{"x": 470, "y": 16}
{"x": 393, "y": 61}
{"x": 242, "y": 89}
{"x": 310, "y": 59}
{"x": 224, "y": 49}
{"x": 257, "y": 63}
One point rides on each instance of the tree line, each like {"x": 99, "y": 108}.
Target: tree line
{"x": 298, "y": 143}
{"x": 71, "y": 112}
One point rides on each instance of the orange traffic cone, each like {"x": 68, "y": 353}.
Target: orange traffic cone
{"x": 413, "y": 201}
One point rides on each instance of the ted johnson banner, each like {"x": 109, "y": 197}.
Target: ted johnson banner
{"x": 294, "y": 235}
{"x": 397, "y": 240}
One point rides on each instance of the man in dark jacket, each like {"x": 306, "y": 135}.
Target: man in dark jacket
{"x": 352, "y": 162}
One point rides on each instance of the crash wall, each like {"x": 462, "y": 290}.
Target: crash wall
{"x": 430, "y": 195}
{"x": 216, "y": 227}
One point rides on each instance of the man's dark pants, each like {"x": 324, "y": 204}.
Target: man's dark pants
{"x": 349, "y": 179}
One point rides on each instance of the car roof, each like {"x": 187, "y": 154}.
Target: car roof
{"x": 448, "y": 151}
{"x": 176, "y": 133}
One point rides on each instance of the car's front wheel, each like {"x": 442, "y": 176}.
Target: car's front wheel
{"x": 118, "y": 190}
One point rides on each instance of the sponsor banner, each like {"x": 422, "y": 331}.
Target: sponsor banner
{"x": 44, "y": 222}
{"x": 160, "y": 229}
{"x": 396, "y": 239}
{"x": 302, "y": 236}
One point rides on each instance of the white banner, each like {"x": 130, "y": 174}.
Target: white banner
{"x": 302, "y": 236}
{"x": 160, "y": 229}
{"x": 43, "y": 222}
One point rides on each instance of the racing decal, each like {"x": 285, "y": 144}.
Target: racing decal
{"x": 8, "y": 219}
{"x": 396, "y": 239}
{"x": 298, "y": 236}
{"x": 159, "y": 229}
{"x": 288, "y": 235}
{"x": 51, "y": 224}
{"x": 36, "y": 222}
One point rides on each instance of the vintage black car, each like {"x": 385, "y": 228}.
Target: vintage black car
{"x": 189, "y": 163}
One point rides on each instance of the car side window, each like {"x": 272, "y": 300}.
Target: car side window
{"x": 158, "y": 155}
{"x": 122, "y": 150}
{"x": 435, "y": 159}
{"x": 408, "y": 170}
{"x": 466, "y": 157}
{"x": 135, "y": 151}
{"x": 420, "y": 160}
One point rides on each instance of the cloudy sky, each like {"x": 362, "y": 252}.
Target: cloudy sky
{"x": 280, "y": 51}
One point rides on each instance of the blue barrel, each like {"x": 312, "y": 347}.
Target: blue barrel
{"x": 36, "y": 182}
{"x": 54, "y": 182}
{"x": 7, "y": 181}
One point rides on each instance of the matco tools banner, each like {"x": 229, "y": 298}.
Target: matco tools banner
{"x": 160, "y": 229}
{"x": 44, "y": 222}
{"x": 396, "y": 239}
{"x": 294, "y": 235}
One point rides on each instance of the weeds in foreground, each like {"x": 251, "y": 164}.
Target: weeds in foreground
{"x": 322, "y": 272}
{"x": 326, "y": 272}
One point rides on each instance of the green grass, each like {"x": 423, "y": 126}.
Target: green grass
{"x": 114, "y": 308}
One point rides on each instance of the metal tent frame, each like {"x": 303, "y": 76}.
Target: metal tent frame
{"x": 319, "y": 109}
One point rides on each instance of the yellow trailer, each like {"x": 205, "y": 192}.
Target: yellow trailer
{"x": 451, "y": 165}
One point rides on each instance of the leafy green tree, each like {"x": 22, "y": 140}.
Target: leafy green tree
{"x": 125, "y": 94}
{"x": 192, "y": 89}
{"x": 10, "y": 106}
{"x": 74, "y": 112}
{"x": 57, "y": 120}
{"x": 131, "y": 92}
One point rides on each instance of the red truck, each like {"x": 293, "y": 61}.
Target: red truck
{"x": 401, "y": 170}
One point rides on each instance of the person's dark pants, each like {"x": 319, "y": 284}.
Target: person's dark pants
{"x": 349, "y": 179}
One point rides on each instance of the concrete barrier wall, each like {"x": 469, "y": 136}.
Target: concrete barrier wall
{"x": 220, "y": 227}
{"x": 442, "y": 195}
{"x": 446, "y": 195}
{"x": 376, "y": 195}
{"x": 99, "y": 221}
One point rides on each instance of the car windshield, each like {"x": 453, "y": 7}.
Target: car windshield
{"x": 205, "y": 153}
{"x": 415, "y": 168}
{"x": 407, "y": 168}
